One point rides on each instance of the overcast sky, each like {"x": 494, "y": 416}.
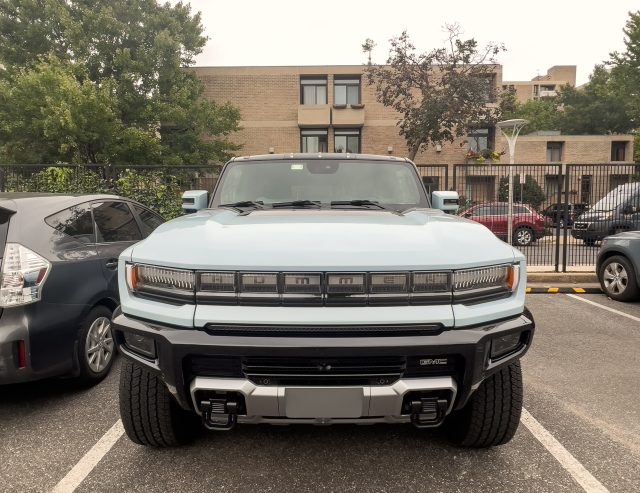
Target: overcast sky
{"x": 537, "y": 34}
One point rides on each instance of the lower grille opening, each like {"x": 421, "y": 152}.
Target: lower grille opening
{"x": 319, "y": 371}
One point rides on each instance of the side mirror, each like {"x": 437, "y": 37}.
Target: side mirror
{"x": 446, "y": 201}
{"x": 194, "y": 200}
{"x": 628, "y": 209}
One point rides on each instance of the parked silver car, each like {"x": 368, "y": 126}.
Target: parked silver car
{"x": 618, "y": 266}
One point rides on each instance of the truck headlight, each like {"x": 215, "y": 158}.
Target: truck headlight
{"x": 23, "y": 275}
{"x": 161, "y": 281}
{"x": 484, "y": 282}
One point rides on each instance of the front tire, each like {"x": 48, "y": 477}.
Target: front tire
{"x": 149, "y": 413}
{"x": 492, "y": 415}
{"x": 523, "y": 236}
{"x": 618, "y": 279}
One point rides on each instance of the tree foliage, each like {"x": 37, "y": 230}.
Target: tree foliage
{"x": 105, "y": 81}
{"x": 438, "y": 94}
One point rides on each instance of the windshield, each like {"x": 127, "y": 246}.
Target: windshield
{"x": 389, "y": 183}
{"x": 616, "y": 197}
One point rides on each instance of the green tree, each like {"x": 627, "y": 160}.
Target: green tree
{"x": 439, "y": 94}
{"x": 121, "y": 60}
{"x": 596, "y": 108}
{"x": 625, "y": 68}
{"x": 529, "y": 193}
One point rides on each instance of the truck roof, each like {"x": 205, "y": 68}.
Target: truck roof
{"x": 318, "y": 155}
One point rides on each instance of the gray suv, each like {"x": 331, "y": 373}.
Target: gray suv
{"x": 58, "y": 284}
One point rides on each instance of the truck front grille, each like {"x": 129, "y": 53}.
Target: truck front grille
{"x": 369, "y": 370}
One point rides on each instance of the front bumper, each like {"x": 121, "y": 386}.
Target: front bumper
{"x": 590, "y": 230}
{"x": 450, "y": 360}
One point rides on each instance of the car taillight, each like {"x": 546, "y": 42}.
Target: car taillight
{"x": 23, "y": 275}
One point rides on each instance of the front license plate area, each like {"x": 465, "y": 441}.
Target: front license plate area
{"x": 324, "y": 402}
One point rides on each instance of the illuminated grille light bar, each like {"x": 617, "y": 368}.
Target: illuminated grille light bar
{"x": 390, "y": 288}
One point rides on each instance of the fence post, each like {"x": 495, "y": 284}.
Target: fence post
{"x": 558, "y": 211}
{"x": 2, "y": 179}
{"x": 567, "y": 179}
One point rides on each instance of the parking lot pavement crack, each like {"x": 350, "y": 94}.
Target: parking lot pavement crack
{"x": 579, "y": 473}
{"x": 90, "y": 460}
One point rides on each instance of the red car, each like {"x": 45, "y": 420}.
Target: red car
{"x": 528, "y": 224}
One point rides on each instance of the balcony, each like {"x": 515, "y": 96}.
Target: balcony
{"x": 314, "y": 115}
{"x": 347, "y": 115}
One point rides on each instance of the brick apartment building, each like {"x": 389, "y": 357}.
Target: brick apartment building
{"x": 332, "y": 108}
{"x": 543, "y": 86}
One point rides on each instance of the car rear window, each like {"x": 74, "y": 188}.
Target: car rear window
{"x": 75, "y": 222}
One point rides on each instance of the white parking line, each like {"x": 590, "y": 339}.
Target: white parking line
{"x": 562, "y": 455}
{"x": 81, "y": 470}
{"x": 604, "y": 307}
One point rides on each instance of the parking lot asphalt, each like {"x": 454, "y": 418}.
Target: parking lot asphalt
{"x": 581, "y": 387}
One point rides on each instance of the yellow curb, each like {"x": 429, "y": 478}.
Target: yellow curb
{"x": 553, "y": 290}
{"x": 578, "y": 290}
{"x": 527, "y": 290}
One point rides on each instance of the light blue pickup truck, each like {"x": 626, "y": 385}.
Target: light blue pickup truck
{"x": 320, "y": 289}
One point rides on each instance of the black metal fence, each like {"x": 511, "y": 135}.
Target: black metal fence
{"x": 561, "y": 212}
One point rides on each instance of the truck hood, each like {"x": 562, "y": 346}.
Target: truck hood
{"x": 320, "y": 240}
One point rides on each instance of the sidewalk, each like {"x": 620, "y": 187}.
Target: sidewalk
{"x": 544, "y": 275}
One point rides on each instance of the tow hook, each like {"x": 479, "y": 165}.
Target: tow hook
{"x": 219, "y": 414}
{"x": 428, "y": 411}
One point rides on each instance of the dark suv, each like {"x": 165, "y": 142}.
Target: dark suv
{"x": 59, "y": 281}
{"x": 528, "y": 224}
{"x": 565, "y": 214}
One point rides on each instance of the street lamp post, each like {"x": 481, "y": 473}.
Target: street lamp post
{"x": 511, "y": 129}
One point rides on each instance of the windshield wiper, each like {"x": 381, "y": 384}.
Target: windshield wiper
{"x": 244, "y": 204}
{"x": 361, "y": 203}
{"x": 297, "y": 203}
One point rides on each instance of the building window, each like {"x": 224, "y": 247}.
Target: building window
{"x": 347, "y": 140}
{"x": 479, "y": 138}
{"x": 618, "y": 151}
{"x": 313, "y": 90}
{"x": 313, "y": 140}
{"x": 346, "y": 89}
{"x": 554, "y": 152}
{"x": 488, "y": 89}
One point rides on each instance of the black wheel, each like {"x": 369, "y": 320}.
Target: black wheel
{"x": 618, "y": 279}
{"x": 492, "y": 415}
{"x": 522, "y": 236}
{"x": 561, "y": 224}
{"x": 96, "y": 349}
{"x": 149, "y": 413}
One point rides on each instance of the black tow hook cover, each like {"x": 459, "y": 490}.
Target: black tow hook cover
{"x": 219, "y": 414}
{"x": 428, "y": 411}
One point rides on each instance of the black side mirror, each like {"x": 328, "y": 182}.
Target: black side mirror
{"x": 628, "y": 209}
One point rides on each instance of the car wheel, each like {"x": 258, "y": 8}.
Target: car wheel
{"x": 492, "y": 414}
{"x": 561, "y": 223}
{"x": 618, "y": 278}
{"x": 96, "y": 349}
{"x": 589, "y": 242}
{"x": 149, "y": 413}
{"x": 523, "y": 236}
